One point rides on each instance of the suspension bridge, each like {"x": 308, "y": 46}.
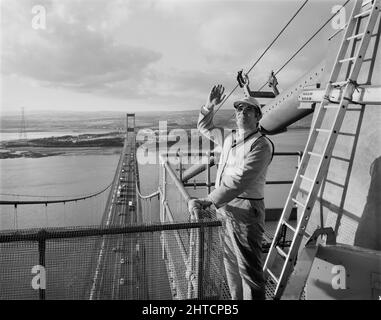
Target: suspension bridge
{"x": 150, "y": 247}
{"x": 145, "y": 247}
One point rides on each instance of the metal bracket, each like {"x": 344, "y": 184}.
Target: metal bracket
{"x": 329, "y": 232}
{"x": 241, "y": 81}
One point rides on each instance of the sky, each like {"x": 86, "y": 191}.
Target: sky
{"x": 145, "y": 55}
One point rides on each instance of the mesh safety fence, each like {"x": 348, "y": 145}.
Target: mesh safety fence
{"x": 132, "y": 262}
{"x": 177, "y": 211}
{"x": 16, "y": 263}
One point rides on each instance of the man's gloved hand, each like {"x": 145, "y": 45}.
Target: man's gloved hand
{"x": 215, "y": 97}
{"x": 196, "y": 205}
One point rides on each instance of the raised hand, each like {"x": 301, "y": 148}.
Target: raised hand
{"x": 216, "y": 96}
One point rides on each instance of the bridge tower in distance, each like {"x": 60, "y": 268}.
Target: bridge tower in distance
{"x": 22, "y": 128}
{"x": 130, "y": 123}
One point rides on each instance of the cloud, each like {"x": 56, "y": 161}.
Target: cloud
{"x": 177, "y": 87}
{"x": 76, "y": 50}
{"x": 241, "y": 31}
{"x": 164, "y": 52}
{"x": 238, "y": 29}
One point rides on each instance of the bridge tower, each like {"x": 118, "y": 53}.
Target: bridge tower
{"x": 22, "y": 129}
{"x": 130, "y": 125}
{"x": 130, "y": 122}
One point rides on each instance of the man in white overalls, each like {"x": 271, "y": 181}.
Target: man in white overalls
{"x": 239, "y": 192}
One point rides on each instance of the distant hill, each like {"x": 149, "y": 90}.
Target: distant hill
{"x": 114, "y": 121}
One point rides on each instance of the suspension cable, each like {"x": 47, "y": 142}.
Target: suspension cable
{"x": 43, "y": 196}
{"x": 264, "y": 52}
{"x": 291, "y": 56}
{"x": 296, "y": 52}
{"x": 6, "y": 202}
{"x": 28, "y": 195}
{"x": 301, "y": 48}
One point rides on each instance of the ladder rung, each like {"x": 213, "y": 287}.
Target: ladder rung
{"x": 362, "y": 14}
{"x": 340, "y": 158}
{"x": 335, "y": 183}
{"x": 289, "y": 226}
{"x": 347, "y": 134}
{"x": 347, "y": 59}
{"x": 323, "y": 130}
{"x": 281, "y": 252}
{"x": 298, "y": 202}
{"x": 319, "y": 155}
{"x": 331, "y": 106}
{"x": 273, "y": 276}
{"x": 359, "y": 35}
{"x": 341, "y": 107}
{"x": 306, "y": 178}
{"x": 339, "y": 83}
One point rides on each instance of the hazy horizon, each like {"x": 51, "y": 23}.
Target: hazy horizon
{"x": 15, "y": 112}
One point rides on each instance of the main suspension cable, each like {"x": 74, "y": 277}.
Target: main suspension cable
{"x": 264, "y": 52}
{"x": 45, "y": 196}
{"x": 78, "y": 198}
{"x": 301, "y": 48}
{"x": 293, "y": 56}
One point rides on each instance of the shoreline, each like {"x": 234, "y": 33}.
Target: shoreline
{"x": 84, "y": 144}
{"x": 42, "y": 152}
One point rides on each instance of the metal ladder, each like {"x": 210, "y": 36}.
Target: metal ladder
{"x": 276, "y": 253}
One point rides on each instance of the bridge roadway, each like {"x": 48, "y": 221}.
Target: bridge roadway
{"x": 123, "y": 266}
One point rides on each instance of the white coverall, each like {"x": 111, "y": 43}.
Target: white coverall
{"x": 238, "y": 196}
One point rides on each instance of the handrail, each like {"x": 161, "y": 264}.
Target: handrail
{"x": 194, "y": 260}
{"x": 192, "y": 263}
{"x": 175, "y": 179}
{"x": 197, "y": 169}
{"x": 41, "y": 236}
{"x": 81, "y": 232}
{"x": 188, "y": 154}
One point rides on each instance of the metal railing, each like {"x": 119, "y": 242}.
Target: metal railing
{"x": 90, "y": 254}
{"x": 191, "y": 247}
{"x": 198, "y": 257}
{"x": 196, "y": 238}
{"x": 211, "y": 161}
{"x": 49, "y": 244}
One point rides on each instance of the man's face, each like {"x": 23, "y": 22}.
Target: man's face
{"x": 246, "y": 116}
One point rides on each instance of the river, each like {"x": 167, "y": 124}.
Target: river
{"x": 73, "y": 175}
